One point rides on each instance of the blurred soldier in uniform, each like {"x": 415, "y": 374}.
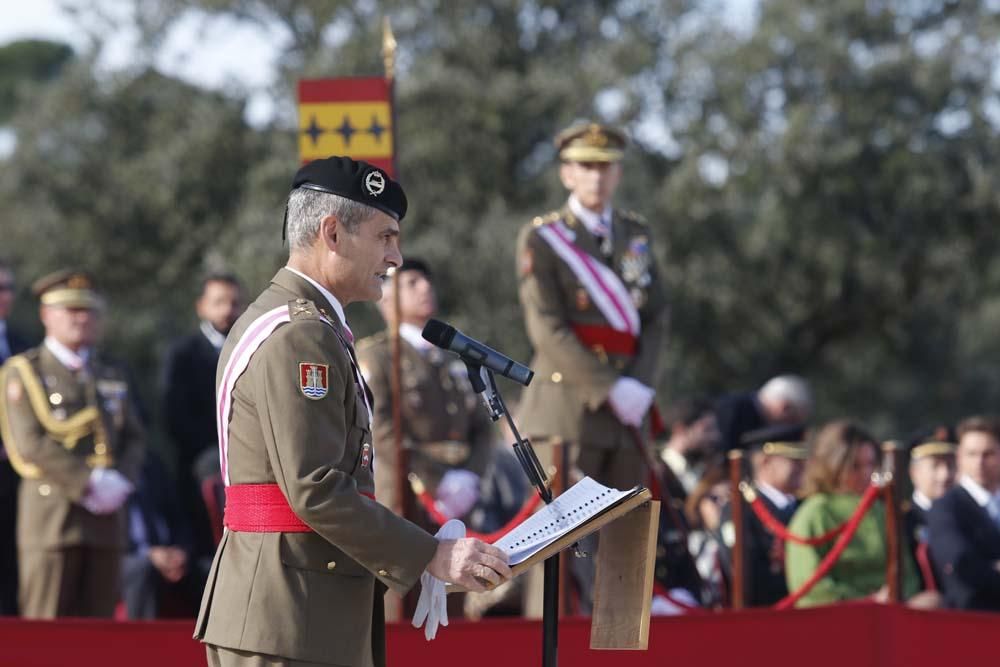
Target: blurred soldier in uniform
{"x": 10, "y": 344}
{"x": 932, "y": 472}
{"x": 785, "y": 399}
{"x": 777, "y": 457}
{"x": 71, "y": 432}
{"x": 595, "y": 311}
{"x": 308, "y": 553}
{"x": 446, "y": 428}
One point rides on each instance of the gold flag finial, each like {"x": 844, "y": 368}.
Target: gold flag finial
{"x": 388, "y": 49}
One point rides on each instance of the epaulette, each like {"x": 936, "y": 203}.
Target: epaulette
{"x": 546, "y": 219}
{"x": 303, "y": 309}
{"x": 376, "y": 339}
{"x": 634, "y": 217}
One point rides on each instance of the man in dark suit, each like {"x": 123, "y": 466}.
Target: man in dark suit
{"x": 159, "y": 577}
{"x": 777, "y": 456}
{"x": 964, "y": 525}
{"x": 189, "y": 392}
{"x": 10, "y": 344}
{"x": 785, "y": 399}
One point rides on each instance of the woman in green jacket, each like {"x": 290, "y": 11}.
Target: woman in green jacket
{"x": 839, "y": 470}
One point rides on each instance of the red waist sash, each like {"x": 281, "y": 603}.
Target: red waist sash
{"x": 262, "y": 508}
{"x": 603, "y": 338}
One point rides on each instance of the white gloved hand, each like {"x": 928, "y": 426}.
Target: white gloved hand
{"x": 107, "y": 491}
{"x": 630, "y": 400}
{"x": 457, "y": 493}
{"x": 432, "y": 605}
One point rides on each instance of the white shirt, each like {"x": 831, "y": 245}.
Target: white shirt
{"x": 67, "y": 357}
{"x": 780, "y": 499}
{"x": 922, "y": 501}
{"x": 339, "y": 309}
{"x": 978, "y": 493}
{"x": 214, "y": 336}
{"x": 598, "y": 224}
{"x": 412, "y": 334}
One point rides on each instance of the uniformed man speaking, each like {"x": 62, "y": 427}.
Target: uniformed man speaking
{"x": 299, "y": 575}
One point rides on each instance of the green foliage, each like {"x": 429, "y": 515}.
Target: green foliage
{"x": 27, "y": 62}
{"x": 826, "y": 206}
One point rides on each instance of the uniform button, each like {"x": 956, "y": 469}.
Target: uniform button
{"x": 56, "y": 398}
{"x": 331, "y": 565}
{"x": 557, "y": 377}
{"x": 44, "y": 490}
{"x": 383, "y": 573}
{"x": 100, "y": 448}
{"x": 452, "y": 409}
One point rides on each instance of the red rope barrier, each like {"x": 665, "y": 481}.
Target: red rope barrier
{"x": 440, "y": 519}
{"x": 867, "y": 500}
{"x": 781, "y": 531}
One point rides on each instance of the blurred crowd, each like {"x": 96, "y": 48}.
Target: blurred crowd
{"x": 810, "y": 477}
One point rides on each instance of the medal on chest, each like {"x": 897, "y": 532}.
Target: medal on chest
{"x": 635, "y": 262}
{"x": 366, "y": 455}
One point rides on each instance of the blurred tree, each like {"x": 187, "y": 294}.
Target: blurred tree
{"x": 28, "y": 62}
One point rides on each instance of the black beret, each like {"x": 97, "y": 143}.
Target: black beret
{"x": 355, "y": 180}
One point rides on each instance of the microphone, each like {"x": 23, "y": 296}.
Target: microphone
{"x": 472, "y": 351}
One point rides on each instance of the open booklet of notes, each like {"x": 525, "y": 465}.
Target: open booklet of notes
{"x": 581, "y": 504}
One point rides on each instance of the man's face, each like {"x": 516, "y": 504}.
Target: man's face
{"x": 979, "y": 458}
{"x": 220, "y": 305}
{"x": 6, "y": 293}
{"x": 783, "y": 473}
{"x": 933, "y": 475}
{"x": 75, "y": 328}
{"x": 417, "y": 299}
{"x": 365, "y": 256}
{"x": 593, "y": 183}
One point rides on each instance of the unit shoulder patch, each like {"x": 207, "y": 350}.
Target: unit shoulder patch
{"x": 314, "y": 380}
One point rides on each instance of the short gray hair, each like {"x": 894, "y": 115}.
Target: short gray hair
{"x": 306, "y": 208}
{"x": 791, "y": 388}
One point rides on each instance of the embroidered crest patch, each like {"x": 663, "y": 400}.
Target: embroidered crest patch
{"x": 366, "y": 455}
{"x": 314, "y": 380}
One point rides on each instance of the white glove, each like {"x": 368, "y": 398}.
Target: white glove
{"x": 457, "y": 493}
{"x": 630, "y": 400}
{"x": 107, "y": 491}
{"x": 432, "y": 605}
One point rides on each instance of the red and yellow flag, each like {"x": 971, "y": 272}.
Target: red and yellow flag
{"x": 348, "y": 116}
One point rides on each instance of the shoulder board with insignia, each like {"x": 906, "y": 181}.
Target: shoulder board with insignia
{"x": 302, "y": 309}
{"x": 376, "y": 339}
{"x": 546, "y": 219}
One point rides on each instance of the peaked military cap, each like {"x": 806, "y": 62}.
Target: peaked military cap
{"x": 590, "y": 142}
{"x": 928, "y": 448}
{"x": 778, "y": 440}
{"x": 69, "y": 288}
{"x": 355, "y": 180}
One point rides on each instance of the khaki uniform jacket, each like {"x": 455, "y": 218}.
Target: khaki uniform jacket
{"x": 567, "y": 399}
{"x": 438, "y": 406}
{"x": 57, "y": 428}
{"x": 306, "y": 596}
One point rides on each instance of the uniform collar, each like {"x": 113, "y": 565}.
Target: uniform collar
{"x": 331, "y": 299}
{"x": 74, "y": 361}
{"x": 779, "y": 499}
{"x": 598, "y": 224}
{"x": 921, "y": 501}
{"x": 214, "y": 336}
{"x": 412, "y": 334}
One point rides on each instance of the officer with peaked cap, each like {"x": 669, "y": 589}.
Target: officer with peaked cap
{"x": 308, "y": 551}
{"x": 932, "y": 472}
{"x": 72, "y": 433}
{"x": 777, "y": 458}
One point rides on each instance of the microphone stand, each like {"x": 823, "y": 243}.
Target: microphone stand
{"x": 536, "y": 475}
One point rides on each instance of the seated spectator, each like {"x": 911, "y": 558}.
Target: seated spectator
{"x": 777, "y": 456}
{"x": 932, "y": 472}
{"x": 785, "y": 399}
{"x": 159, "y": 577}
{"x": 964, "y": 524}
{"x": 839, "y": 470}
{"x": 703, "y": 512}
{"x": 694, "y": 436}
